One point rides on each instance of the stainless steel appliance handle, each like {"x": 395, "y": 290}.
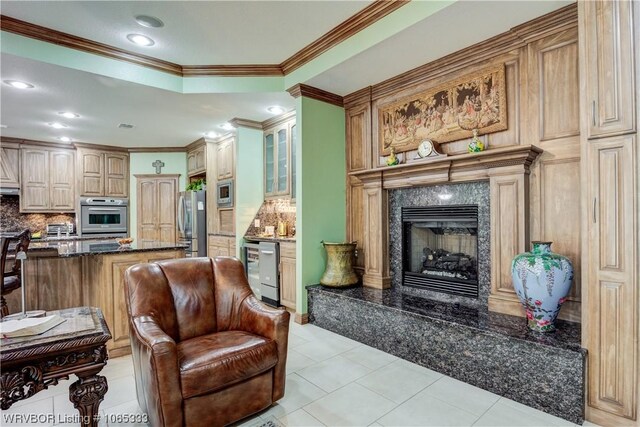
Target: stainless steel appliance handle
{"x": 267, "y": 252}
{"x": 180, "y": 214}
{"x": 104, "y": 209}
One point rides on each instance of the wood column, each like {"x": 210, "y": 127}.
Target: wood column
{"x": 375, "y": 224}
{"x": 509, "y": 212}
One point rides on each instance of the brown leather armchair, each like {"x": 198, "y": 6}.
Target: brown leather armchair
{"x": 205, "y": 350}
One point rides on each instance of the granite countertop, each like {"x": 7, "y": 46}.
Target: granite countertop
{"x": 270, "y": 239}
{"x": 566, "y": 337}
{"x": 72, "y": 248}
{"x": 222, "y": 234}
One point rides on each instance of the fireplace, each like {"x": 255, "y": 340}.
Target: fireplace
{"x": 440, "y": 249}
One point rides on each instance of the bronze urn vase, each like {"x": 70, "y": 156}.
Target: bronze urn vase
{"x": 339, "y": 271}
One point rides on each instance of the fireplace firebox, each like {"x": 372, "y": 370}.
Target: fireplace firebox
{"x": 440, "y": 249}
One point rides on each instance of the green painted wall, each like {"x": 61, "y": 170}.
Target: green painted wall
{"x": 140, "y": 163}
{"x": 321, "y": 182}
{"x": 249, "y": 184}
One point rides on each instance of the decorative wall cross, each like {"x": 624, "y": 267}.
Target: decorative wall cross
{"x": 158, "y": 165}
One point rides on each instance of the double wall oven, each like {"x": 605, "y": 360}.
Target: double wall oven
{"x": 104, "y": 217}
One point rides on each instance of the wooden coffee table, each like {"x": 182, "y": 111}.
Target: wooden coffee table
{"x": 77, "y": 346}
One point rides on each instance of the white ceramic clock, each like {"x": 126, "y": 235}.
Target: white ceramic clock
{"x": 426, "y": 148}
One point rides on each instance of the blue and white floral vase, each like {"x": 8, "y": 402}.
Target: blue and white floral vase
{"x": 542, "y": 279}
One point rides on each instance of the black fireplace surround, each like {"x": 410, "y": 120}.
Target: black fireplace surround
{"x": 440, "y": 249}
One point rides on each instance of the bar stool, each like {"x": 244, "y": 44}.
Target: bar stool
{"x": 11, "y": 246}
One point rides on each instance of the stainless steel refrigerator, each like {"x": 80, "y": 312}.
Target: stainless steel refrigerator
{"x": 192, "y": 222}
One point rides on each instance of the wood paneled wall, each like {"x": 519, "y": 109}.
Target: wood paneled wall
{"x": 541, "y": 70}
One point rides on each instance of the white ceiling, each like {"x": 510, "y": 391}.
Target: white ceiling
{"x": 250, "y": 32}
{"x": 161, "y": 118}
{"x": 195, "y": 32}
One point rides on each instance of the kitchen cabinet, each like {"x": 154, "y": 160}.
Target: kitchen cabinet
{"x": 10, "y": 167}
{"x": 156, "y": 207}
{"x": 287, "y": 269}
{"x": 197, "y": 160}
{"x": 609, "y": 67}
{"x": 48, "y": 179}
{"x": 224, "y": 159}
{"x": 279, "y": 157}
{"x": 102, "y": 173}
{"x": 221, "y": 246}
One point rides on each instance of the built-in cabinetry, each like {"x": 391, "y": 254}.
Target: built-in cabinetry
{"x": 196, "y": 158}
{"x": 47, "y": 178}
{"x": 224, "y": 159}
{"x": 220, "y": 167}
{"x": 102, "y": 173}
{"x": 222, "y": 246}
{"x": 156, "y": 208}
{"x": 611, "y": 218}
{"x": 10, "y": 166}
{"x": 288, "y": 274}
{"x": 279, "y": 157}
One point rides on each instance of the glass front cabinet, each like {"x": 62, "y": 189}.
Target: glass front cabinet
{"x": 279, "y": 160}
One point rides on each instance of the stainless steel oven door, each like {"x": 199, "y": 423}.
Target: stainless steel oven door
{"x": 103, "y": 219}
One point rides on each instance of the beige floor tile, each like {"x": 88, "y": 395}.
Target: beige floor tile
{"x": 425, "y": 410}
{"x": 252, "y": 421}
{"x": 128, "y": 414}
{"x": 296, "y": 340}
{"x": 297, "y": 361}
{"x": 298, "y": 392}
{"x": 370, "y": 357}
{"x": 589, "y": 424}
{"x": 352, "y": 405}
{"x": 333, "y": 373}
{"x": 325, "y": 348}
{"x": 462, "y": 395}
{"x": 548, "y": 419}
{"x": 397, "y": 381}
{"x": 300, "y": 418}
{"x": 30, "y": 413}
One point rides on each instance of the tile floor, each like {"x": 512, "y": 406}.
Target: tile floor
{"x": 331, "y": 381}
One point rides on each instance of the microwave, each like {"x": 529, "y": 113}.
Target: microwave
{"x": 224, "y": 194}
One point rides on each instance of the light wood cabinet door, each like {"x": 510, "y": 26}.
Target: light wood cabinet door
{"x": 91, "y": 171}
{"x": 196, "y": 161}
{"x": 613, "y": 294}
{"x": 10, "y": 167}
{"x": 609, "y": 67}
{"x": 358, "y": 138}
{"x": 201, "y": 159}
{"x": 35, "y": 180}
{"x": 156, "y": 207}
{"x": 62, "y": 180}
{"x": 118, "y": 320}
{"x": 224, "y": 160}
{"x": 116, "y": 174}
{"x": 288, "y": 286}
{"x": 191, "y": 162}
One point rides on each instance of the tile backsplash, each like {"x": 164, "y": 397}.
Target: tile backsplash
{"x": 270, "y": 213}
{"x": 12, "y": 220}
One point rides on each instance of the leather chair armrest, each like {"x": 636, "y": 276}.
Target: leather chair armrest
{"x": 257, "y": 318}
{"x": 158, "y": 360}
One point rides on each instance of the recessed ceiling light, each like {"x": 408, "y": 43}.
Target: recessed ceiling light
{"x": 65, "y": 139}
{"x": 57, "y": 125}
{"x": 140, "y": 40}
{"x": 149, "y": 21}
{"x": 276, "y": 109}
{"x": 18, "y": 84}
{"x": 226, "y": 126}
{"x": 211, "y": 134}
{"x": 69, "y": 114}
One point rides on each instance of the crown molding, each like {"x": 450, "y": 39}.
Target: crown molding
{"x": 245, "y": 123}
{"x": 157, "y": 150}
{"x": 367, "y": 16}
{"x": 358, "y": 97}
{"x": 315, "y": 93}
{"x": 38, "y": 32}
{"x": 356, "y": 23}
{"x": 275, "y": 121}
{"x": 515, "y": 38}
{"x": 195, "y": 144}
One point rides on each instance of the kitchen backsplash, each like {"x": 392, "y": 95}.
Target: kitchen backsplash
{"x": 12, "y": 220}
{"x": 270, "y": 213}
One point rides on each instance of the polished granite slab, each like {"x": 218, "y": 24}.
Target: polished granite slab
{"x": 492, "y": 351}
{"x": 73, "y": 248}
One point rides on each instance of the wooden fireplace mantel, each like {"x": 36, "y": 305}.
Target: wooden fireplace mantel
{"x": 458, "y": 168}
{"x": 506, "y": 169}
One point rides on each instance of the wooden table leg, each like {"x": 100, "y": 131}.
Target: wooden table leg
{"x": 86, "y": 395}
